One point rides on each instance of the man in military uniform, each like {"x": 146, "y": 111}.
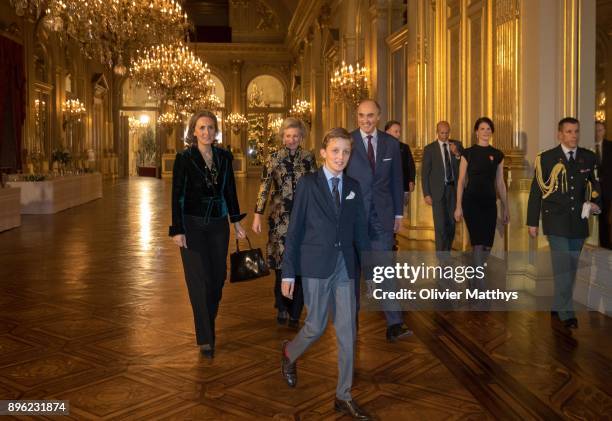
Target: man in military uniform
{"x": 566, "y": 192}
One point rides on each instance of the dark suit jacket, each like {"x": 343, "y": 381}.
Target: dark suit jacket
{"x": 384, "y": 189}
{"x": 408, "y": 166}
{"x": 561, "y": 210}
{"x": 317, "y": 233}
{"x": 432, "y": 169}
{"x": 191, "y": 194}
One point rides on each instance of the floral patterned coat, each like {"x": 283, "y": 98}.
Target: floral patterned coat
{"x": 279, "y": 177}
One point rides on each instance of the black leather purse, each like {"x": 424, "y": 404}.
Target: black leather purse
{"x": 247, "y": 264}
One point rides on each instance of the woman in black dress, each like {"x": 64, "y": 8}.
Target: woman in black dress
{"x": 203, "y": 199}
{"x": 481, "y": 181}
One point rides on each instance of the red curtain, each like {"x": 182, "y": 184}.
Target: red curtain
{"x": 12, "y": 96}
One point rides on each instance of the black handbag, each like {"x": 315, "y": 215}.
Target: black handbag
{"x": 247, "y": 264}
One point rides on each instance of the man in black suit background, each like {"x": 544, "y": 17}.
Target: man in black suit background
{"x": 439, "y": 174}
{"x": 394, "y": 128}
{"x": 565, "y": 192}
{"x": 603, "y": 153}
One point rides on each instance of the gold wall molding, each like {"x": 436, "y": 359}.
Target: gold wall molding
{"x": 506, "y": 91}
{"x": 570, "y": 36}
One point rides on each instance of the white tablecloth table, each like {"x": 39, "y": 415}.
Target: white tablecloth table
{"x": 57, "y": 194}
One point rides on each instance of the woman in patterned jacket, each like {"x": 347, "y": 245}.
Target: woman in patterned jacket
{"x": 280, "y": 174}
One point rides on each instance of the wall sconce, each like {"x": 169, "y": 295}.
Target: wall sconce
{"x": 237, "y": 122}
{"x": 73, "y": 110}
{"x": 301, "y": 110}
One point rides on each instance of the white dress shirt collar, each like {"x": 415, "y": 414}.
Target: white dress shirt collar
{"x": 566, "y": 151}
{"x": 364, "y": 135}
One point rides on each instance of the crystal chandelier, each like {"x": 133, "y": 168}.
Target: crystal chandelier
{"x": 73, "y": 109}
{"x": 112, "y": 30}
{"x": 350, "y": 85}
{"x": 174, "y": 73}
{"x": 137, "y": 124}
{"x": 301, "y": 110}
{"x": 209, "y": 102}
{"x": 275, "y": 125}
{"x": 168, "y": 120}
{"x": 33, "y": 8}
{"x": 237, "y": 122}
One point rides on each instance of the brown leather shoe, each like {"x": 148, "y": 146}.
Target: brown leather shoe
{"x": 351, "y": 409}
{"x": 288, "y": 369}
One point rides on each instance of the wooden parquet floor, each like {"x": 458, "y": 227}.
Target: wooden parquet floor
{"x": 94, "y": 310}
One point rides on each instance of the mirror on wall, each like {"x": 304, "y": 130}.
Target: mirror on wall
{"x": 40, "y": 145}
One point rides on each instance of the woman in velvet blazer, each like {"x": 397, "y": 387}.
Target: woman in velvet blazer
{"x": 203, "y": 199}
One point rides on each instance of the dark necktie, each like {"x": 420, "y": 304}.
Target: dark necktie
{"x": 336, "y": 192}
{"x": 371, "y": 153}
{"x": 598, "y": 154}
{"x": 447, "y": 164}
{"x": 571, "y": 159}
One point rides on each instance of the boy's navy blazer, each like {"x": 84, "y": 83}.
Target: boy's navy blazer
{"x": 317, "y": 232}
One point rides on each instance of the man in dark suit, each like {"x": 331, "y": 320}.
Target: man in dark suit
{"x": 603, "y": 152}
{"x": 439, "y": 174}
{"x": 565, "y": 192}
{"x": 327, "y": 224}
{"x": 394, "y": 128}
{"x": 376, "y": 164}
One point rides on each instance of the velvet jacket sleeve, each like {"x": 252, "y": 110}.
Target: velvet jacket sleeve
{"x": 229, "y": 191}
{"x": 178, "y": 195}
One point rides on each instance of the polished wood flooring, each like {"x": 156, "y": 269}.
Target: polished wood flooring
{"x": 94, "y": 309}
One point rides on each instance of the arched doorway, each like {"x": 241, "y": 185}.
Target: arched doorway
{"x": 266, "y": 106}
{"x": 138, "y": 116}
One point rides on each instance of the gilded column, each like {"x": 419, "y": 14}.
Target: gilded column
{"x": 506, "y": 81}
{"x": 378, "y": 66}
{"x": 570, "y": 56}
{"x": 422, "y": 116}
{"x": 440, "y": 52}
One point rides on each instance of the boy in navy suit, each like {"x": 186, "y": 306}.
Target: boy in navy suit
{"x": 327, "y": 224}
